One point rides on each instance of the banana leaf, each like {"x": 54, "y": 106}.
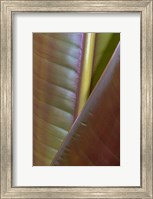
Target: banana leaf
{"x": 62, "y": 76}
{"x": 94, "y": 139}
{"x": 57, "y": 61}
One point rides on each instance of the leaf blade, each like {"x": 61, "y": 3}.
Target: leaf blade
{"x": 57, "y": 59}
{"x": 92, "y": 140}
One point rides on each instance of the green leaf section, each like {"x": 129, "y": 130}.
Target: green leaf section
{"x": 105, "y": 45}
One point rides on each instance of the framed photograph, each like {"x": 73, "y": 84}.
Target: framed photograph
{"x": 76, "y": 99}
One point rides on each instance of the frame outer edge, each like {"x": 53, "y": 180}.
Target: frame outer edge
{"x": 9, "y": 192}
{"x": 149, "y": 96}
{"x": 3, "y": 101}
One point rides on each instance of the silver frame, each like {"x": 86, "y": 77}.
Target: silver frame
{"x": 144, "y": 7}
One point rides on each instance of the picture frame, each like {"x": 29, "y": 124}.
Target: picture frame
{"x": 7, "y": 9}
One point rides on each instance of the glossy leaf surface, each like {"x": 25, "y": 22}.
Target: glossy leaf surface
{"x": 57, "y": 60}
